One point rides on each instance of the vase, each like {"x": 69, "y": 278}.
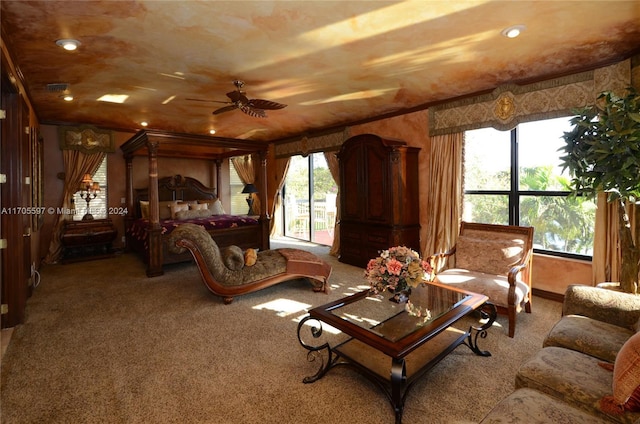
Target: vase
{"x": 399, "y": 296}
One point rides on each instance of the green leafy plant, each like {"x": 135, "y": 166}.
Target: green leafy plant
{"x": 603, "y": 154}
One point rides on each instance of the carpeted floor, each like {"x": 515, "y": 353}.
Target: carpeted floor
{"x": 104, "y": 344}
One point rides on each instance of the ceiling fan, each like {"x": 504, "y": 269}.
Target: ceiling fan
{"x": 252, "y": 107}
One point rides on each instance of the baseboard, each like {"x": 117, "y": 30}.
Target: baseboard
{"x": 548, "y": 295}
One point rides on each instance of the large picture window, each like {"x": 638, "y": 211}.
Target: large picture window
{"x": 515, "y": 177}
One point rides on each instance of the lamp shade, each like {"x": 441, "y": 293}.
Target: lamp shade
{"x": 249, "y": 188}
{"x": 87, "y": 179}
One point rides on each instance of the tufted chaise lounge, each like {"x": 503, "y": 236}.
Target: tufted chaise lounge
{"x": 225, "y": 273}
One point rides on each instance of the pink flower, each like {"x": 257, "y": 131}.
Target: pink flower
{"x": 394, "y": 266}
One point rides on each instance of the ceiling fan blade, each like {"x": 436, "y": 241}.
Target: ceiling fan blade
{"x": 257, "y": 113}
{"x": 265, "y": 104}
{"x": 224, "y": 109}
{"x": 208, "y": 101}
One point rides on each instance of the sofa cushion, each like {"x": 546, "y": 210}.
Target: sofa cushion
{"x": 572, "y": 377}
{"x": 491, "y": 256}
{"x": 496, "y": 287}
{"x": 626, "y": 378}
{"x": 532, "y": 406}
{"x": 595, "y": 338}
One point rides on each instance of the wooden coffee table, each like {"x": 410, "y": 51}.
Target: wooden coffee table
{"x": 389, "y": 346}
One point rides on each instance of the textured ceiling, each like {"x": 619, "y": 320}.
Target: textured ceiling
{"x": 331, "y": 62}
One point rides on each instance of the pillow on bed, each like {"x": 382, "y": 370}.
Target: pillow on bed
{"x": 144, "y": 209}
{"x": 193, "y": 213}
{"x": 198, "y": 206}
{"x": 165, "y": 208}
{"x": 215, "y": 205}
{"x": 175, "y": 208}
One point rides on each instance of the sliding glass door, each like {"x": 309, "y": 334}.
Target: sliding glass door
{"x": 310, "y": 200}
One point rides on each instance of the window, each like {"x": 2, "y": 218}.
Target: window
{"x": 309, "y": 205}
{"x": 514, "y": 177}
{"x": 97, "y": 205}
{"x": 239, "y": 204}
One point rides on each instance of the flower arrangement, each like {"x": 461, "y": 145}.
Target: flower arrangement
{"x": 397, "y": 269}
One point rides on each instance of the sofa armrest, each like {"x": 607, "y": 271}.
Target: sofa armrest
{"x": 613, "y": 307}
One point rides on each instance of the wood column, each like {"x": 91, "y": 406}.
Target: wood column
{"x": 154, "y": 261}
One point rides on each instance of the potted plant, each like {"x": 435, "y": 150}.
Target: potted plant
{"x": 603, "y": 154}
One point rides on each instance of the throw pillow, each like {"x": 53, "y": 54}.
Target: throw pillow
{"x": 215, "y": 205}
{"x": 165, "y": 208}
{"x": 198, "y": 206}
{"x": 144, "y": 209}
{"x": 626, "y": 380}
{"x": 232, "y": 257}
{"x": 175, "y": 208}
{"x": 250, "y": 257}
{"x": 192, "y": 214}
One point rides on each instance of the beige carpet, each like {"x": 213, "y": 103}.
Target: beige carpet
{"x": 104, "y": 344}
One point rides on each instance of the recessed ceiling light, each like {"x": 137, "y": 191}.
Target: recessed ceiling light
{"x": 68, "y": 43}
{"x": 212, "y": 132}
{"x": 67, "y": 97}
{"x": 113, "y": 98}
{"x": 513, "y": 31}
{"x": 144, "y": 123}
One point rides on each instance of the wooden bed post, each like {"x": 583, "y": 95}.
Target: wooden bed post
{"x": 129, "y": 186}
{"x": 264, "y": 216}
{"x": 154, "y": 261}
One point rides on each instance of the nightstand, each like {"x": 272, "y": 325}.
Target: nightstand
{"x": 87, "y": 240}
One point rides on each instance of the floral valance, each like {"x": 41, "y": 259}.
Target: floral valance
{"x": 86, "y": 139}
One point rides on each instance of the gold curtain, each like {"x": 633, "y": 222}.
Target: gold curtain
{"x": 76, "y": 164}
{"x": 334, "y": 169}
{"x": 444, "y": 204}
{"x": 607, "y": 260}
{"x": 246, "y": 171}
{"x": 282, "y": 167}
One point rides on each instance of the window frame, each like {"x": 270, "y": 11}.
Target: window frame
{"x": 514, "y": 195}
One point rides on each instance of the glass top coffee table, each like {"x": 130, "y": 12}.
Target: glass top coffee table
{"x": 388, "y": 345}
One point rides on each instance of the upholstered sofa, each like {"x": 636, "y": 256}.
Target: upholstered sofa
{"x": 230, "y": 271}
{"x": 588, "y": 369}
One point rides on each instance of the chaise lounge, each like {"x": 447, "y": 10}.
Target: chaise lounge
{"x": 226, "y": 273}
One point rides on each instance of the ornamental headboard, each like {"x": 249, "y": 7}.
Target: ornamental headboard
{"x": 175, "y": 187}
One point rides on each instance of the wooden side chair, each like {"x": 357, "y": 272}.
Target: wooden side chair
{"x": 494, "y": 260}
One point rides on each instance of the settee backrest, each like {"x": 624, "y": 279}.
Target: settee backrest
{"x": 492, "y": 249}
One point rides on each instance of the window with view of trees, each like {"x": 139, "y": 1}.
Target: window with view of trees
{"x": 515, "y": 177}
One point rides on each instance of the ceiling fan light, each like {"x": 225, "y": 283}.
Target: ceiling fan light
{"x": 68, "y": 43}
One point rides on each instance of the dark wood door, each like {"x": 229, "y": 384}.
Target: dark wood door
{"x": 14, "y": 227}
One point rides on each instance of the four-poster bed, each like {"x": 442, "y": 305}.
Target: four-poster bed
{"x": 148, "y": 235}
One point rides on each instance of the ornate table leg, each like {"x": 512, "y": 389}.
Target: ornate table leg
{"x": 487, "y": 311}
{"x": 315, "y": 352}
{"x": 398, "y": 382}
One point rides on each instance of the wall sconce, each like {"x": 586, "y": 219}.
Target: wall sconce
{"x": 88, "y": 191}
{"x": 250, "y": 189}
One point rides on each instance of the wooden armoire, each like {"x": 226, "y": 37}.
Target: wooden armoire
{"x": 379, "y": 205}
